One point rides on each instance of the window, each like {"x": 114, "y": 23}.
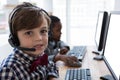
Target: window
{"x": 81, "y": 18}
{"x": 78, "y": 17}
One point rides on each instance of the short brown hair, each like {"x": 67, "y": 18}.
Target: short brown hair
{"x": 26, "y": 16}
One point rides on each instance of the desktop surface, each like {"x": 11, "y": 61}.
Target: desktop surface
{"x": 97, "y": 68}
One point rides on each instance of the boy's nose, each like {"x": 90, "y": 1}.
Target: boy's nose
{"x": 38, "y": 37}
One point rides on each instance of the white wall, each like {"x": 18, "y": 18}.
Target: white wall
{"x": 117, "y": 5}
{"x": 5, "y": 50}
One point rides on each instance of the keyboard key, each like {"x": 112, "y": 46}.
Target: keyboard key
{"x": 88, "y": 72}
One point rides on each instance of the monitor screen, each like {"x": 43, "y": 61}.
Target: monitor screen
{"x": 112, "y": 51}
{"x": 100, "y": 29}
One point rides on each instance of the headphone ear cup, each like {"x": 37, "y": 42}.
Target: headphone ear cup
{"x": 13, "y": 41}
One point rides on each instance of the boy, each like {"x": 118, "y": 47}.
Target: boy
{"x": 28, "y": 26}
{"x": 57, "y": 49}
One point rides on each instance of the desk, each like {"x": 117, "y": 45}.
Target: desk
{"x": 97, "y": 68}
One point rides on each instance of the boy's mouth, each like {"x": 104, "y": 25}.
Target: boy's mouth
{"x": 39, "y": 46}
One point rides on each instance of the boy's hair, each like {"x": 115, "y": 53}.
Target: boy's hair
{"x": 54, "y": 19}
{"x": 25, "y": 16}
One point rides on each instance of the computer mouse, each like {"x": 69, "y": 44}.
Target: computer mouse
{"x": 75, "y": 64}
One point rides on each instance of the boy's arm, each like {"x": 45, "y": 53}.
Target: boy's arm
{"x": 64, "y": 48}
{"x": 7, "y": 74}
{"x": 52, "y": 70}
{"x": 64, "y": 45}
{"x": 51, "y": 56}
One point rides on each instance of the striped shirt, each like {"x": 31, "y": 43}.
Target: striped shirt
{"x": 17, "y": 67}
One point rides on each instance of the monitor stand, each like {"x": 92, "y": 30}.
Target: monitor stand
{"x": 106, "y": 77}
{"x": 96, "y": 52}
{"x": 100, "y": 56}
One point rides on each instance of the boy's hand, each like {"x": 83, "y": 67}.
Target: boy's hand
{"x": 71, "y": 61}
{"x": 63, "y": 51}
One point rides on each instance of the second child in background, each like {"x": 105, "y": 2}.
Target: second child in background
{"x": 57, "y": 48}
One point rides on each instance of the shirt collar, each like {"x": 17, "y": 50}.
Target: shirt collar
{"x": 23, "y": 56}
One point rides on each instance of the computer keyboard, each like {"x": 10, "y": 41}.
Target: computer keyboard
{"x": 78, "y": 51}
{"x": 78, "y": 74}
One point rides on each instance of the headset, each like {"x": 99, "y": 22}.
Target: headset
{"x": 13, "y": 39}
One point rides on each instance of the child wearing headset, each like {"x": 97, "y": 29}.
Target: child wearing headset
{"x": 57, "y": 49}
{"x": 28, "y": 26}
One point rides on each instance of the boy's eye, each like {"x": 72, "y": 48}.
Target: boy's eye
{"x": 29, "y": 33}
{"x": 44, "y": 31}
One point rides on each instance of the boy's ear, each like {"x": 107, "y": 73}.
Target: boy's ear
{"x": 14, "y": 42}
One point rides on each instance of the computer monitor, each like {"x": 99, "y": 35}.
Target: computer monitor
{"x": 100, "y": 31}
{"x": 111, "y": 53}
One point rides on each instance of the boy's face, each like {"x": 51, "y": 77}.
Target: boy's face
{"x": 34, "y": 38}
{"x": 56, "y": 31}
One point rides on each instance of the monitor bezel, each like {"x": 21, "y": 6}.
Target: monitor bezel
{"x": 102, "y": 32}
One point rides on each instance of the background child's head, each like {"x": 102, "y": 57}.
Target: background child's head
{"x": 24, "y": 17}
{"x": 55, "y": 28}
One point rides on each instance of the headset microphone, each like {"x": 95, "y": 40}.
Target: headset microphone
{"x": 26, "y": 49}
{"x": 14, "y": 42}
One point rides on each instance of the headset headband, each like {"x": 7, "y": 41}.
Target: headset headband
{"x": 14, "y": 12}
{"x": 13, "y": 39}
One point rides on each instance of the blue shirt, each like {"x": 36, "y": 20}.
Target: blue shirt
{"x": 17, "y": 67}
{"x": 54, "y": 47}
